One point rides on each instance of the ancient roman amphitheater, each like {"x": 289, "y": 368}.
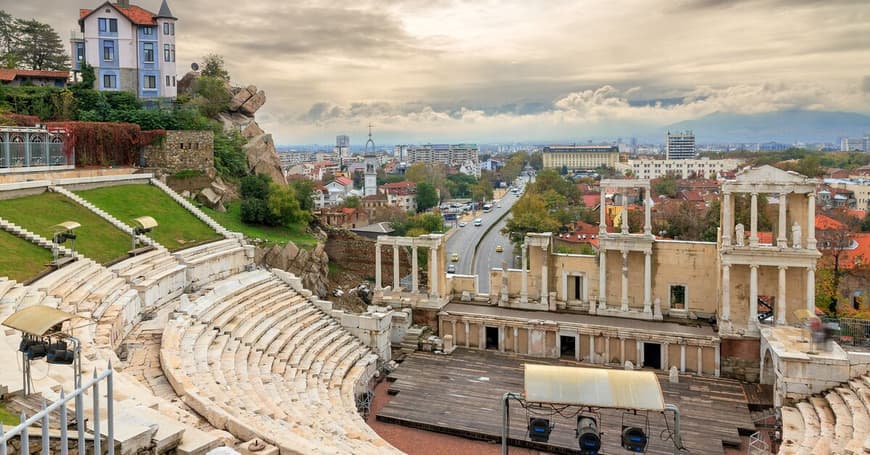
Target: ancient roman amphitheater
{"x": 231, "y": 347}
{"x": 208, "y": 349}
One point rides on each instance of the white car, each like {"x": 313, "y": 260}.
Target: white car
{"x": 478, "y": 222}
{"x": 462, "y": 224}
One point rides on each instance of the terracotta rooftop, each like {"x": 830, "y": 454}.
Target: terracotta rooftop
{"x": 344, "y": 181}
{"x": 860, "y": 255}
{"x": 399, "y": 185}
{"x": 826, "y": 223}
{"x": 9, "y": 75}
{"x": 135, "y": 14}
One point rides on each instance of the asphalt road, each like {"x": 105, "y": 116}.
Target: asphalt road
{"x": 487, "y": 257}
{"x": 463, "y": 241}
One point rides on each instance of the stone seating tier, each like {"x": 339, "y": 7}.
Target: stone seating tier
{"x": 255, "y": 358}
{"x": 837, "y": 421}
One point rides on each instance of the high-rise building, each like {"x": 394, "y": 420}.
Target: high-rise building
{"x": 342, "y": 149}
{"x": 853, "y": 144}
{"x": 129, "y": 47}
{"x": 680, "y": 146}
{"x": 447, "y": 154}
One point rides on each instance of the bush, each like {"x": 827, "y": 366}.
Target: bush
{"x": 255, "y": 187}
{"x": 254, "y": 211}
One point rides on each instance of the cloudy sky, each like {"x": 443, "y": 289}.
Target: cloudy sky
{"x": 497, "y": 71}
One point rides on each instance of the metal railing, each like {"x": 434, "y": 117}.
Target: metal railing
{"x": 23, "y": 429}
{"x": 850, "y": 331}
{"x": 757, "y": 444}
{"x": 32, "y": 154}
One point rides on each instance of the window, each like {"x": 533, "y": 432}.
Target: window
{"x": 167, "y": 81}
{"x": 109, "y": 81}
{"x": 80, "y": 52}
{"x": 172, "y": 29}
{"x": 678, "y": 296}
{"x": 148, "y": 51}
{"x": 173, "y": 52}
{"x": 113, "y": 25}
{"x": 165, "y": 52}
{"x": 108, "y": 51}
{"x": 148, "y": 31}
{"x": 166, "y": 28}
{"x": 150, "y": 82}
{"x": 103, "y": 24}
{"x": 173, "y": 81}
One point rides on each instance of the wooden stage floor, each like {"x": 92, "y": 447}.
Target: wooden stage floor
{"x": 461, "y": 394}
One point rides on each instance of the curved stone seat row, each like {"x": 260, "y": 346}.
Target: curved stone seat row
{"x": 215, "y": 260}
{"x": 836, "y": 422}
{"x": 257, "y": 359}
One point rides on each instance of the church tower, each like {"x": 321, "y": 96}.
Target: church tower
{"x": 370, "y": 186}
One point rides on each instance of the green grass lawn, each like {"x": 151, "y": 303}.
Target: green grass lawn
{"x": 97, "y": 239}
{"x": 7, "y": 417}
{"x": 21, "y": 259}
{"x": 177, "y": 228}
{"x": 232, "y": 220}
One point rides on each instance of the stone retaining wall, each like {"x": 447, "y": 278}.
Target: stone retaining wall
{"x": 182, "y": 150}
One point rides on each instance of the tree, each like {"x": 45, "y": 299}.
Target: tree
{"x": 529, "y": 214}
{"x": 284, "y": 206}
{"x": 427, "y": 197}
{"x": 38, "y": 47}
{"x": 352, "y": 202}
{"x": 89, "y": 77}
{"x": 8, "y": 37}
{"x": 212, "y": 96}
{"x": 865, "y": 223}
{"x": 665, "y": 186}
{"x": 832, "y": 243}
{"x": 304, "y": 188}
{"x": 213, "y": 66}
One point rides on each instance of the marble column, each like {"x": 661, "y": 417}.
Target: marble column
{"x": 647, "y": 281}
{"x": 700, "y": 360}
{"x": 516, "y": 340}
{"x": 396, "y": 274}
{"x": 753, "y": 296}
{"x": 624, "y": 302}
{"x": 415, "y": 279}
{"x": 624, "y": 212}
{"x": 544, "y": 278}
{"x": 666, "y": 349}
{"x": 647, "y": 212}
{"x": 782, "y": 238}
{"x": 780, "y": 296}
{"x": 433, "y": 272}
{"x": 811, "y": 290}
{"x": 682, "y": 358}
{"x": 602, "y": 212}
{"x": 524, "y": 279}
{"x": 726, "y": 219}
{"x": 716, "y": 361}
{"x": 753, "y": 226}
{"x": 377, "y": 265}
{"x": 577, "y": 347}
{"x": 726, "y": 292}
{"x": 811, "y": 221}
{"x": 602, "y": 279}
{"x": 467, "y": 333}
{"x": 606, "y": 350}
{"x": 622, "y": 351}
{"x": 591, "y": 348}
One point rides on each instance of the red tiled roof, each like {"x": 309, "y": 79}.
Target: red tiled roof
{"x": 343, "y": 181}
{"x": 135, "y": 14}
{"x": 9, "y": 75}
{"x": 856, "y": 213}
{"x": 591, "y": 200}
{"x": 826, "y": 223}
{"x": 692, "y": 195}
{"x": 860, "y": 255}
{"x": 323, "y": 164}
{"x": 399, "y": 185}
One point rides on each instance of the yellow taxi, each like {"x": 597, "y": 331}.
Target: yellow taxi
{"x": 454, "y": 257}
{"x": 498, "y": 249}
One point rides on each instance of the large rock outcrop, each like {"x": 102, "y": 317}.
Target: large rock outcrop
{"x": 240, "y": 116}
{"x": 311, "y": 265}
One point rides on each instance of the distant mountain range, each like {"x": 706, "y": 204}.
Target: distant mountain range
{"x": 785, "y": 126}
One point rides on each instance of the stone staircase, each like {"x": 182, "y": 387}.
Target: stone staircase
{"x": 104, "y": 215}
{"x": 195, "y": 211}
{"x": 836, "y": 421}
{"x": 36, "y": 239}
{"x": 96, "y": 293}
{"x": 258, "y": 359}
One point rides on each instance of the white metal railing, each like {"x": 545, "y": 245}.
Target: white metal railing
{"x": 757, "y": 444}
{"x": 22, "y": 430}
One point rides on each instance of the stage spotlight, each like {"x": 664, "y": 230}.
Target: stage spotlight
{"x": 61, "y": 357}
{"x": 37, "y": 350}
{"x": 633, "y": 439}
{"x": 539, "y": 429}
{"x": 587, "y": 435}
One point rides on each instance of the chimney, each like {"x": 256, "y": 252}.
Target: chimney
{"x": 124, "y": 3}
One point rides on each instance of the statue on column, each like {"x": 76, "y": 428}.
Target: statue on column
{"x": 738, "y": 234}
{"x": 796, "y": 235}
